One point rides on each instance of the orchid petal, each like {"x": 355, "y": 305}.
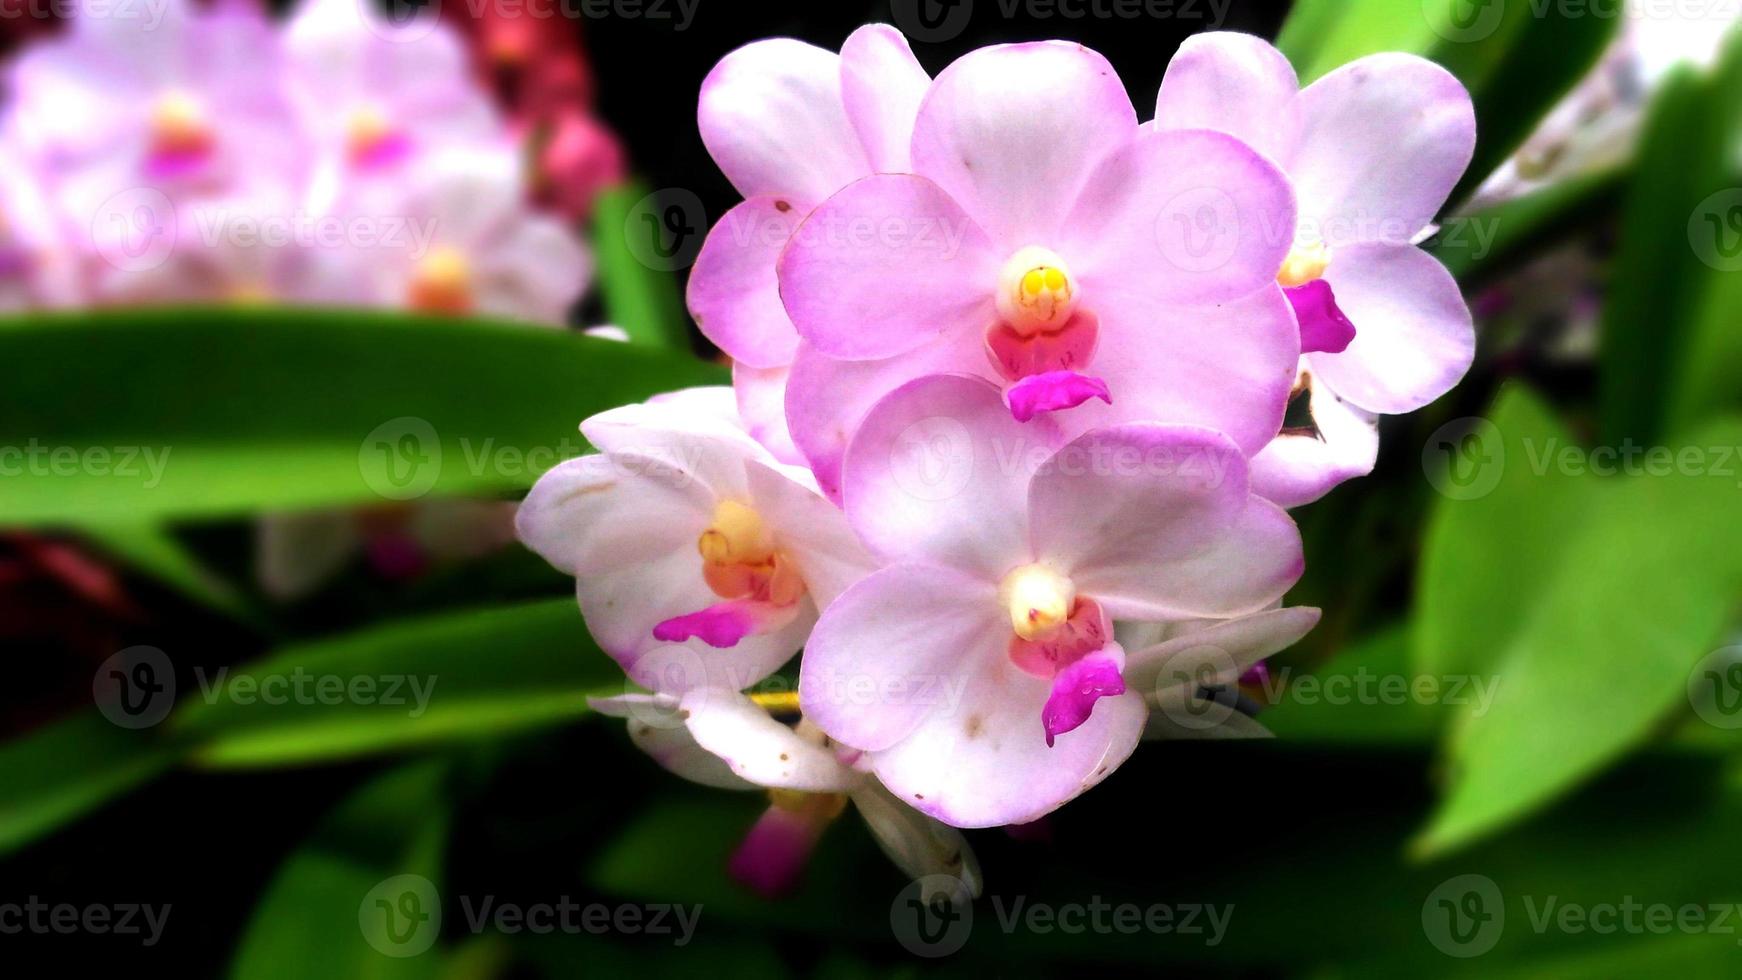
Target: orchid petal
{"x": 1012, "y": 132}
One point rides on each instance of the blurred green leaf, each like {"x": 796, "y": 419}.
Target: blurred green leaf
{"x": 218, "y": 412}
{"x": 1502, "y": 525}
{"x": 642, "y": 300}
{"x": 1646, "y": 584}
{"x": 155, "y": 551}
{"x": 1669, "y": 321}
{"x": 69, "y": 768}
{"x": 1517, "y": 59}
{"x": 1327, "y": 718}
{"x": 1529, "y": 64}
{"x": 312, "y": 920}
{"x": 399, "y": 686}
{"x": 1482, "y": 245}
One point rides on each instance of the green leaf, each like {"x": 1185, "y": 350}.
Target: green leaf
{"x": 1332, "y": 716}
{"x": 1516, "y": 59}
{"x": 242, "y": 411}
{"x": 67, "y": 769}
{"x": 1320, "y": 35}
{"x": 1663, "y": 322}
{"x": 1531, "y": 62}
{"x": 1645, "y": 587}
{"x": 1504, "y": 518}
{"x": 641, "y": 299}
{"x": 154, "y": 550}
{"x": 311, "y": 920}
{"x": 401, "y": 686}
{"x": 1479, "y": 246}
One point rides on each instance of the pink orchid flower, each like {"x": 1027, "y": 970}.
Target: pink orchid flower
{"x": 789, "y": 124}
{"x": 374, "y": 95}
{"x": 466, "y": 241}
{"x": 1373, "y": 149}
{"x": 721, "y": 738}
{"x": 1042, "y": 242}
{"x": 175, "y": 99}
{"x": 978, "y": 668}
{"x": 699, "y": 559}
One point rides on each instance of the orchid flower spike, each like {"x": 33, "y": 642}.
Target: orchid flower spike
{"x": 699, "y": 559}
{"x": 978, "y": 668}
{"x": 1373, "y": 149}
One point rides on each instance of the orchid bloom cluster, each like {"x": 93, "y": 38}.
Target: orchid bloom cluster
{"x": 1005, "y": 451}
{"x": 203, "y": 152}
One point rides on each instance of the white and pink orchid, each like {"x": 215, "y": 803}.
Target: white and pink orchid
{"x": 689, "y": 540}
{"x": 1373, "y": 149}
{"x": 978, "y": 667}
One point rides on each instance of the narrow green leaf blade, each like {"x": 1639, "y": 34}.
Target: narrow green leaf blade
{"x": 639, "y": 297}
{"x": 317, "y": 918}
{"x": 430, "y": 681}
{"x": 242, "y": 411}
{"x": 67, "y": 769}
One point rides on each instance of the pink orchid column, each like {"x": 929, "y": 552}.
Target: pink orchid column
{"x": 1092, "y": 272}
{"x": 977, "y": 668}
{"x": 1373, "y": 149}
{"x": 789, "y": 124}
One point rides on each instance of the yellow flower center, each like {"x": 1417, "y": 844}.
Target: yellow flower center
{"x": 1305, "y": 263}
{"x": 366, "y": 131}
{"x": 1039, "y": 600}
{"x": 1035, "y": 291}
{"x": 739, "y": 558}
{"x": 179, "y": 125}
{"x": 442, "y": 283}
